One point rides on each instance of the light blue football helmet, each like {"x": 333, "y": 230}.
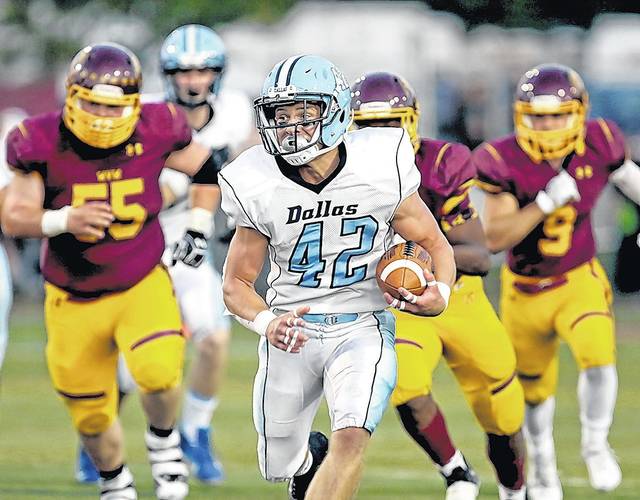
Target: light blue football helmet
{"x": 308, "y": 79}
{"x": 192, "y": 46}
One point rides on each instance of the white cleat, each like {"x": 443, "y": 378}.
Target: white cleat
{"x": 170, "y": 473}
{"x": 604, "y": 470}
{"x": 543, "y": 482}
{"x": 462, "y": 490}
{"x": 120, "y": 487}
{"x": 508, "y": 494}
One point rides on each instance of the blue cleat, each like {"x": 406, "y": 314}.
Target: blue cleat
{"x": 86, "y": 472}
{"x": 204, "y": 464}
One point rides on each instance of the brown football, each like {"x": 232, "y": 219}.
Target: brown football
{"x": 401, "y": 266}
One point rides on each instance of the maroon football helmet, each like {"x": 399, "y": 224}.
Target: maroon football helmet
{"x": 550, "y": 89}
{"x": 107, "y": 74}
{"x": 385, "y": 96}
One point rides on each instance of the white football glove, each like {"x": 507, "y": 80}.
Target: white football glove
{"x": 559, "y": 191}
{"x": 191, "y": 249}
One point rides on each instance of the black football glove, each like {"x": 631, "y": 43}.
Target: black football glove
{"x": 191, "y": 249}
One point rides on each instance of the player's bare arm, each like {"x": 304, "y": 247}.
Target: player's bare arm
{"x": 23, "y": 214}
{"x": 414, "y": 221}
{"x": 470, "y": 248}
{"x": 505, "y": 224}
{"x": 246, "y": 255}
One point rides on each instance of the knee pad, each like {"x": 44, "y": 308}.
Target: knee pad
{"x": 540, "y": 386}
{"x": 92, "y": 416}
{"x": 507, "y": 407}
{"x": 158, "y": 367}
{"x": 592, "y": 341}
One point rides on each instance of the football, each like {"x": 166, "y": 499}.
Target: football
{"x": 401, "y": 266}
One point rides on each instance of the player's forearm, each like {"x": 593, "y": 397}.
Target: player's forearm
{"x": 205, "y": 196}
{"x": 241, "y": 298}
{"x": 506, "y": 231}
{"x": 443, "y": 259}
{"x": 472, "y": 259}
{"x": 22, "y": 221}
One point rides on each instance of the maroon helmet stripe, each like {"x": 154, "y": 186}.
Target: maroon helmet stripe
{"x": 154, "y": 336}
{"x": 90, "y": 395}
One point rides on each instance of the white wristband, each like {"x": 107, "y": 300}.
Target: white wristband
{"x": 445, "y": 291}
{"x": 545, "y": 203}
{"x": 261, "y": 322}
{"x": 201, "y": 220}
{"x": 54, "y": 222}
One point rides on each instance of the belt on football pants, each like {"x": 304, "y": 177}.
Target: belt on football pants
{"x": 330, "y": 319}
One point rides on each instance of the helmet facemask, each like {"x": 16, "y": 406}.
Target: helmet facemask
{"x": 101, "y": 132}
{"x": 295, "y": 148}
{"x": 550, "y": 144}
{"x": 188, "y": 97}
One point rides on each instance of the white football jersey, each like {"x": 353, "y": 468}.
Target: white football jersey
{"x": 230, "y": 127}
{"x": 325, "y": 240}
{"x": 9, "y": 118}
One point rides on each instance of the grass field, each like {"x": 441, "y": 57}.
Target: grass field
{"x": 37, "y": 444}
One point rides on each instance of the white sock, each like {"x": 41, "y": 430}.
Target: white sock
{"x": 197, "y": 412}
{"x": 597, "y": 392}
{"x": 457, "y": 460}
{"x": 505, "y": 493}
{"x": 538, "y": 429}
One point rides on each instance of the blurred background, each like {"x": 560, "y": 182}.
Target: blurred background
{"x": 463, "y": 57}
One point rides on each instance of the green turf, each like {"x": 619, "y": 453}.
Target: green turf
{"x": 37, "y": 444}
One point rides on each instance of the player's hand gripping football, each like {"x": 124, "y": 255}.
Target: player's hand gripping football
{"x": 429, "y": 303}
{"x": 286, "y": 332}
{"x": 191, "y": 249}
{"x": 89, "y": 221}
{"x": 559, "y": 191}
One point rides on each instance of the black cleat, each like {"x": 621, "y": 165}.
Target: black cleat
{"x": 318, "y": 446}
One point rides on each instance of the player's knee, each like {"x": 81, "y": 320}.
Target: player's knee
{"x": 507, "y": 407}
{"x": 349, "y": 444}
{"x": 592, "y": 342}
{"x": 91, "y": 417}
{"x": 213, "y": 342}
{"x": 158, "y": 365}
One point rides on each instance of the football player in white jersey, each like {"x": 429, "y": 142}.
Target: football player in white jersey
{"x": 9, "y": 118}
{"x": 193, "y": 59}
{"x": 325, "y": 204}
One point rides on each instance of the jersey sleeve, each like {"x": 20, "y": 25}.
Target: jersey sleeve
{"x": 22, "y": 152}
{"x": 234, "y": 207}
{"x": 458, "y": 177}
{"x": 616, "y": 148}
{"x": 408, "y": 173}
{"x": 491, "y": 169}
{"x": 180, "y": 131}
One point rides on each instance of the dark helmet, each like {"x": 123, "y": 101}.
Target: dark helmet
{"x": 385, "y": 96}
{"x": 107, "y": 74}
{"x": 550, "y": 89}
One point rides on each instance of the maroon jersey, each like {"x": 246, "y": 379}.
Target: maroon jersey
{"x": 447, "y": 174}
{"x": 564, "y": 240}
{"x": 125, "y": 177}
